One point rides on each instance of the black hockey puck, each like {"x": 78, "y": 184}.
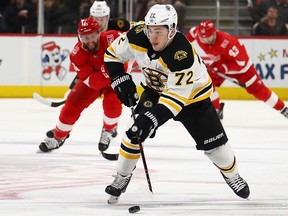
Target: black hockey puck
{"x": 134, "y": 209}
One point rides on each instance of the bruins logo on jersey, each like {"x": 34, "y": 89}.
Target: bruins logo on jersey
{"x": 155, "y": 79}
{"x": 179, "y": 55}
{"x": 139, "y": 29}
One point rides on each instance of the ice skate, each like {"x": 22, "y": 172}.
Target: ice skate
{"x": 105, "y": 138}
{"x": 238, "y": 185}
{"x": 220, "y": 111}
{"x": 117, "y": 187}
{"x": 50, "y": 143}
{"x": 284, "y": 112}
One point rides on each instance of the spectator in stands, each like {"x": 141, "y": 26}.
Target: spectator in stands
{"x": 33, "y": 22}
{"x": 2, "y": 23}
{"x": 4, "y": 4}
{"x": 180, "y": 7}
{"x": 259, "y": 8}
{"x": 270, "y": 26}
{"x": 256, "y": 9}
{"x": 140, "y": 10}
{"x": 83, "y": 12}
{"x": 49, "y": 9}
{"x": 61, "y": 18}
{"x": 19, "y": 15}
{"x": 282, "y": 7}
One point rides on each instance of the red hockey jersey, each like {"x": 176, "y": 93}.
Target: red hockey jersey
{"x": 90, "y": 66}
{"x": 227, "y": 51}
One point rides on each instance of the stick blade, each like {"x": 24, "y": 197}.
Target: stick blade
{"x": 108, "y": 156}
{"x": 47, "y": 102}
{"x": 40, "y": 99}
{"x": 144, "y": 190}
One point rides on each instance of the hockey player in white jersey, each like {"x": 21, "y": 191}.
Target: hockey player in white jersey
{"x": 177, "y": 86}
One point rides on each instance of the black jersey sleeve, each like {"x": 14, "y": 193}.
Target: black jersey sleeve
{"x": 119, "y": 24}
{"x": 179, "y": 54}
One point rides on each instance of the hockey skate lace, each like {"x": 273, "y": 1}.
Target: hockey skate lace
{"x": 237, "y": 183}
{"x": 51, "y": 143}
{"x": 120, "y": 181}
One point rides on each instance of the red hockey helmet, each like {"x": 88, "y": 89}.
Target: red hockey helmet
{"x": 206, "y": 28}
{"x": 87, "y": 26}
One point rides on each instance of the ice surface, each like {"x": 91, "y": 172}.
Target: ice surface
{"x": 71, "y": 180}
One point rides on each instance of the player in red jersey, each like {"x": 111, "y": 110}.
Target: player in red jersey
{"x": 100, "y": 11}
{"x": 88, "y": 60}
{"x": 230, "y": 57}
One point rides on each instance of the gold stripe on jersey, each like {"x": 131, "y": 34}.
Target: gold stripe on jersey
{"x": 110, "y": 53}
{"x": 201, "y": 93}
{"x": 138, "y": 48}
{"x": 170, "y": 104}
{"x": 163, "y": 63}
{"x": 181, "y": 99}
{"x": 129, "y": 151}
{"x": 173, "y": 100}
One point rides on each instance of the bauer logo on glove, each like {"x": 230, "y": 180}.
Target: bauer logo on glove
{"x": 125, "y": 88}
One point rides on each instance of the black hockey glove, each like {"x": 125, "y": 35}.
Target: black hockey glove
{"x": 125, "y": 88}
{"x": 144, "y": 126}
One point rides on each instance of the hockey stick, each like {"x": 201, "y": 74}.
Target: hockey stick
{"x": 47, "y": 102}
{"x": 108, "y": 156}
{"x": 230, "y": 79}
{"x": 142, "y": 152}
{"x": 113, "y": 157}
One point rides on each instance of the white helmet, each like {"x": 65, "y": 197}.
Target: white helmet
{"x": 160, "y": 14}
{"x": 100, "y": 9}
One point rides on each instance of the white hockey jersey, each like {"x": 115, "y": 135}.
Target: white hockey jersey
{"x": 177, "y": 73}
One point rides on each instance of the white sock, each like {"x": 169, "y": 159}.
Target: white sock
{"x": 224, "y": 159}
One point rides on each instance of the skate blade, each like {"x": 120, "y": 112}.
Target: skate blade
{"x": 113, "y": 200}
{"x": 144, "y": 190}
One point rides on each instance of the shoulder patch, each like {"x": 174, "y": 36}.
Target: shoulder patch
{"x": 180, "y": 54}
{"x": 137, "y": 37}
{"x": 139, "y": 28}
